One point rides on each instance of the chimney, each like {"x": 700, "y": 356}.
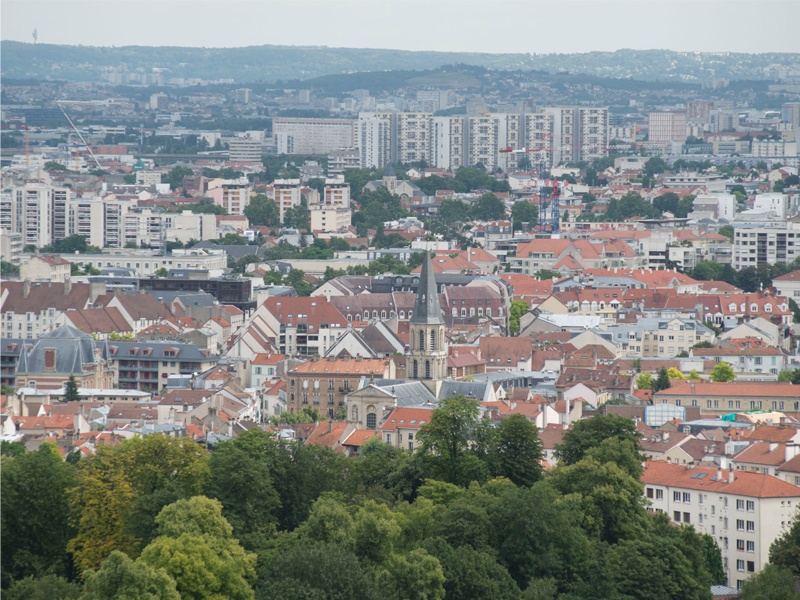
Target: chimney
{"x": 665, "y": 435}
{"x": 773, "y": 446}
{"x": 731, "y": 476}
{"x": 26, "y": 288}
{"x": 67, "y": 286}
{"x": 719, "y": 474}
{"x": 330, "y": 426}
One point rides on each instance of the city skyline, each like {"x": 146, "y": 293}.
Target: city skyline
{"x": 542, "y": 26}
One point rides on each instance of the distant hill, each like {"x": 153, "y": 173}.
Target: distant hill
{"x": 282, "y": 63}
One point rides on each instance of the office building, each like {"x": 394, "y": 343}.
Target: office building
{"x": 667, "y": 126}
{"x": 312, "y": 136}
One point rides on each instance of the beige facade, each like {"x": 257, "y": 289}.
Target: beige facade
{"x": 45, "y": 268}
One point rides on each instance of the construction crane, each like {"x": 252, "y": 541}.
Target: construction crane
{"x": 80, "y": 136}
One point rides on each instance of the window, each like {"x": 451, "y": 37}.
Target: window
{"x": 433, "y": 340}
{"x": 422, "y": 340}
{"x": 659, "y": 494}
{"x": 751, "y": 546}
{"x": 751, "y": 566}
{"x": 740, "y": 565}
{"x": 751, "y": 526}
{"x": 739, "y": 524}
{"x": 740, "y": 505}
{"x": 687, "y": 497}
{"x": 416, "y": 370}
{"x": 677, "y": 516}
{"x": 649, "y": 492}
{"x": 751, "y": 506}
{"x": 372, "y": 421}
{"x": 740, "y": 545}
{"x": 687, "y": 518}
{"x": 427, "y": 369}
{"x": 676, "y": 496}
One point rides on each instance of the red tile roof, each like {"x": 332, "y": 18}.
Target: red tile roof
{"x": 409, "y": 418}
{"x": 745, "y": 483}
{"x": 327, "y": 433}
{"x": 360, "y": 437}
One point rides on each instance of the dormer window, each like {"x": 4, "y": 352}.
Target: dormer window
{"x": 49, "y": 359}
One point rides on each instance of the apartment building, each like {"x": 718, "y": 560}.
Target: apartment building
{"x": 286, "y": 194}
{"x": 743, "y": 511}
{"x": 39, "y": 213}
{"x": 332, "y": 213}
{"x": 375, "y": 137}
{"x": 482, "y": 135}
{"x": 667, "y": 126}
{"x": 312, "y": 136}
{"x": 301, "y": 326}
{"x": 324, "y": 383}
{"x": 244, "y": 149}
{"x": 145, "y": 264}
{"x": 341, "y": 160}
{"x": 414, "y": 137}
{"x": 231, "y": 194}
{"x": 775, "y": 242}
{"x": 145, "y": 366}
{"x": 447, "y": 144}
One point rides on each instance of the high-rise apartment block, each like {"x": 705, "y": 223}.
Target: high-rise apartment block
{"x": 286, "y": 194}
{"x": 39, "y": 212}
{"x": 312, "y": 136}
{"x": 667, "y": 126}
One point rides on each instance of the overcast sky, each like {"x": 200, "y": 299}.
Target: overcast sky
{"x": 449, "y": 25}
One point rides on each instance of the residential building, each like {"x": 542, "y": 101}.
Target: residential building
{"x": 61, "y": 353}
{"x": 286, "y": 194}
{"x": 324, "y": 383}
{"x": 414, "y": 137}
{"x": 731, "y": 396}
{"x": 376, "y": 133}
{"x": 311, "y": 135}
{"x": 264, "y": 367}
{"x": 302, "y": 326}
{"x": 744, "y": 512}
{"x": 667, "y": 126}
{"x": 39, "y": 212}
{"x": 770, "y": 243}
{"x": 245, "y": 149}
{"x": 231, "y": 194}
{"x": 44, "y": 267}
{"x": 401, "y": 427}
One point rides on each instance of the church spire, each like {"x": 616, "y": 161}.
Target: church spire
{"x": 427, "y": 309}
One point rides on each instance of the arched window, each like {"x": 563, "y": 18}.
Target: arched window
{"x": 372, "y": 421}
{"x": 433, "y": 340}
{"x": 422, "y": 340}
{"x": 402, "y": 314}
{"x": 455, "y": 311}
{"x": 416, "y": 370}
{"x": 383, "y": 314}
{"x": 375, "y": 314}
{"x": 358, "y": 316}
{"x": 427, "y": 369}
{"x": 488, "y": 311}
{"x": 349, "y": 317}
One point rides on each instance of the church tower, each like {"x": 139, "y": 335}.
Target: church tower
{"x": 427, "y": 359}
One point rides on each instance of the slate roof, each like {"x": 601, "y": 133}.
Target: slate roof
{"x": 73, "y": 350}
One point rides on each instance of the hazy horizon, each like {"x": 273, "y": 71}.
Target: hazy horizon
{"x": 535, "y": 27}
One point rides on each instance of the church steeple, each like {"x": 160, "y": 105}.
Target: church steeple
{"x": 427, "y": 340}
{"x": 427, "y": 309}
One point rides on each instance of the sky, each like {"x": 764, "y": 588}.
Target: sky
{"x": 529, "y": 26}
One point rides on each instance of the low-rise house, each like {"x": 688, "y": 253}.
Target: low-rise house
{"x": 747, "y": 356}
{"x": 45, "y": 267}
{"x": 401, "y": 428}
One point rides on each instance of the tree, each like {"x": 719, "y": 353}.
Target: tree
{"x": 518, "y": 308}
{"x": 71, "y": 390}
{"x": 314, "y": 570}
{"x": 547, "y": 274}
{"x": 48, "y": 587}
{"x": 667, "y": 202}
{"x": 523, "y": 211}
{"x": 73, "y": 244}
{"x": 662, "y": 382}
{"x": 196, "y": 549}
{"x": 772, "y": 583}
{"x": 488, "y": 208}
{"x": 722, "y": 372}
{"x": 206, "y": 206}
{"x": 645, "y": 381}
{"x": 793, "y": 306}
{"x": 517, "y": 451}
{"x": 262, "y": 211}
{"x": 726, "y": 230}
{"x": 417, "y": 576}
{"x": 453, "y": 211}
{"x": 588, "y": 433}
{"x": 162, "y": 272}
{"x": 674, "y": 373}
{"x": 35, "y": 509}
{"x": 785, "y": 551}
{"x": 8, "y": 269}
{"x": 242, "y": 482}
{"x": 121, "y": 578}
{"x": 446, "y": 441}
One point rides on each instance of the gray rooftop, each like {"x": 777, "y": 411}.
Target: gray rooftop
{"x": 72, "y": 349}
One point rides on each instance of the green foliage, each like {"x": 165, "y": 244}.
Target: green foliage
{"x": 262, "y": 211}
{"x": 297, "y": 217}
{"x": 721, "y": 372}
{"x": 206, "y": 206}
{"x": 630, "y": 205}
{"x": 517, "y": 451}
{"x": 8, "y": 269}
{"x": 785, "y": 551}
{"x": 524, "y": 212}
{"x": 662, "y": 382}
{"x": 71, "y": 390}
{"x": 35, "y": 527}
{"x": 232, "y": 239}
{"x": 772, "y": 583}
{"x": 645, "y": 381}
{"x": 120, "y": 578}
{"x": 417, "y": 576}
{"x": 72, "y": 244}
{"x": 376, "y": 207}
{"x": 518, "y": 308}
{"x": 488, "y": 208}
{"x": 176, "y": 176}
{"x": 196, "y": 549}
{"x": 590, "y": 433}
{"x": 52, "y": 165}
{"x": 48, "y": 587}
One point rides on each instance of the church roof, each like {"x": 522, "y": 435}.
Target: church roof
{"x": 427, "y": 310}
